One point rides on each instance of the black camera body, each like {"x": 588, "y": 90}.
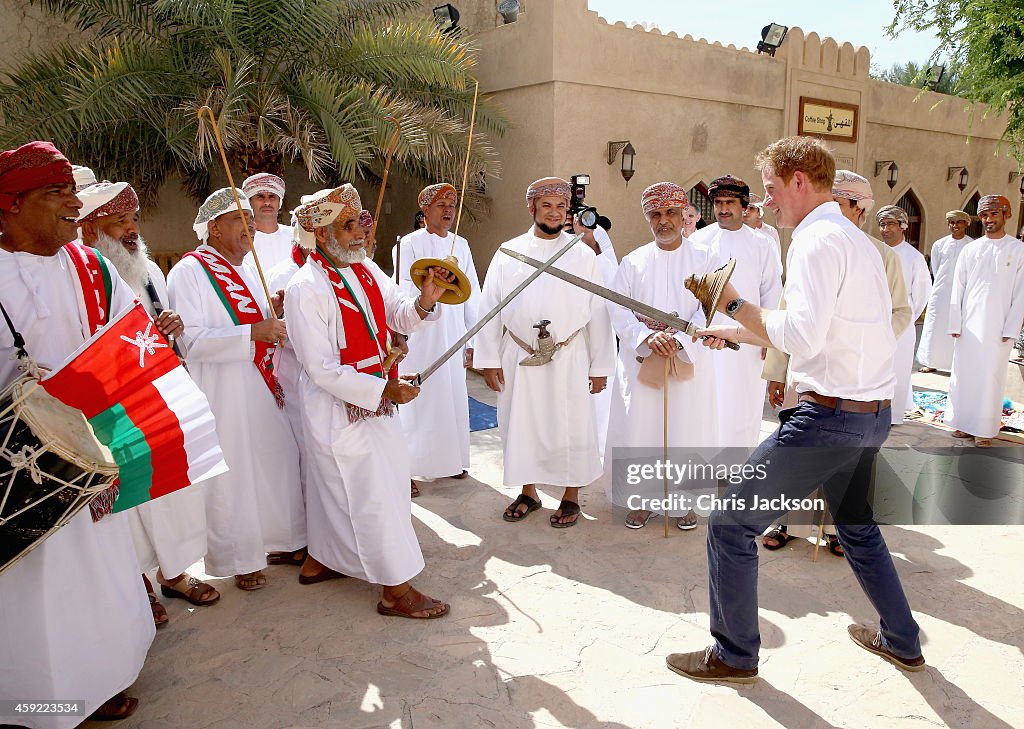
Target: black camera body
{"x": 577, "y": 206}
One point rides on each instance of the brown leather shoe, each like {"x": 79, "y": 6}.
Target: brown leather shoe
{"x": 871, "y": 640}
{"x": 706, "y": 666}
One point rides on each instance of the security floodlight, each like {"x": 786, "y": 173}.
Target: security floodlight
{"x": 447, "y": 14}
{"x": 772, "y": 36}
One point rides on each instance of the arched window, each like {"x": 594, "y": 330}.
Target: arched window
{"x": 912, "y": 207}
{"x": 975, "y": 229}
{"x": 698, "y": 196}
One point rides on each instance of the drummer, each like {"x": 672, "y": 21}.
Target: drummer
{"x": 73, "y": 610}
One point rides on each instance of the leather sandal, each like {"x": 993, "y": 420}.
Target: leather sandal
{"x": 413, "y": 601}
{"x": 638, "y": 518}
{"x": 414, "y": 489}
{"x": 834, "y": 546}
{"x": 961, "y": 434}
{"x": 983, "y": 442}
{"x": 117, "y": 707}
{"x": 294, "y": 559}
{"x": 160, "y": 616}
{"x": 191, "y": 589}
{"x": 251, "y": 581}
{"x": 511, "y": 511}
{"x": 779, "y": 535}
{"x": 566, "y": 508}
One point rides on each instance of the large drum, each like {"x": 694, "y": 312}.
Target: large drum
{"x": 51, "y": 466}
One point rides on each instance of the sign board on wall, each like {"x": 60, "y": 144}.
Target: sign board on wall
{"x": 828, "y": 119}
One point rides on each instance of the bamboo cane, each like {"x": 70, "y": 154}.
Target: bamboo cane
{"x": 664, "y": 441}
{"x": 465, "y": 167}
{"x": 238, "y": 204}
{"x": 383, "y": 184}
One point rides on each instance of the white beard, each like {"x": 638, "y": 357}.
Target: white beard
{"x": 132, "y": 267}
{"x": 341, "y": 254}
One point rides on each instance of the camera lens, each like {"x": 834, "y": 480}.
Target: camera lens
{"x": 588, "y": 218}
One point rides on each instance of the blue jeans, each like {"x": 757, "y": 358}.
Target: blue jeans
{"x": 813, "y": 446}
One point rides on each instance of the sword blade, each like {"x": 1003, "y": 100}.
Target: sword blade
{"x": 615, "y": 297}
{"x": 541, "y": 268}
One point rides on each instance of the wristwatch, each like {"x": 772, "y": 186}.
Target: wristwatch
{"x": 733, "y": 307}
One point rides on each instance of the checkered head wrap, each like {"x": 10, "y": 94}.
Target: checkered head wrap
{"x": 663, "y": 195}
{"x": 958, "y": 215}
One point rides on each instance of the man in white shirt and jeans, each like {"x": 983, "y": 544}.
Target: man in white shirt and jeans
{"x": 837, "y": 330}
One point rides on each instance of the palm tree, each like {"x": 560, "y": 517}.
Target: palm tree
{"x": 304, "y": 81}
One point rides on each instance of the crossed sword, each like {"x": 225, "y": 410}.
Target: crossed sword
{"x": 671, "y": 320}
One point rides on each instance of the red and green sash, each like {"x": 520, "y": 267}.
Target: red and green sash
{"x": 365, "y": 349}
{"x": 243, "y": 309}
{"x": 96, "y": 285}
{"x": 95, "y": 288}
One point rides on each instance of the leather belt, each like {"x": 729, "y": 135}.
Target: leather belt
{"x": 848, "y": 406}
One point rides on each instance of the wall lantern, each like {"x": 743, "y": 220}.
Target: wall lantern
{"x": 894, "y": 172}
{"x": 962, "y": 179}
{"x": 628, "y": 158}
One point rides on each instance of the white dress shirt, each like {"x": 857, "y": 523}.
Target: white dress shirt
{"x": 836, "y": 326}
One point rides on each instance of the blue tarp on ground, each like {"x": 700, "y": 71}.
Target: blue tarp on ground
{"x": 481, "y": 415}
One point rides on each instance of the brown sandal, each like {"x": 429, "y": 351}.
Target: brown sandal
{"x": 413, "y": 601}
{"x": 160, "y": 616}
{"x": 191, "y": 589}
{"x": 251, "y": 581}
{"x": 117, "y": 707}
{"x": 961, "y": 434}
{"x": 415, "y": 490}
{"x": 294, "y": 559}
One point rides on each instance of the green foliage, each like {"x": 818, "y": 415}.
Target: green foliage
{"x": 921, "y": 75}
{"x": 304, "y": 81}
{"x": 984, "y": 40}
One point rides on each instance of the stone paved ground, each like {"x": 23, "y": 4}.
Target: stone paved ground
{"x": 570, "y": 628}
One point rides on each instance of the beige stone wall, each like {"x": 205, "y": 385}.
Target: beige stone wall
{"x": 570, "y": 82}
{"x": 694, "y": 110}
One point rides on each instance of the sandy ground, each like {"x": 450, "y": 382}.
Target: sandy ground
{"x": 570, "y": 628}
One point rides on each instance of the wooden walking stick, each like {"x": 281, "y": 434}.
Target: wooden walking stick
{"x": 664, "y": 443}
{"x": 238, "y": 204}
{"x": 818, "y": 536}
{"x": 383, "y": 184}
{"x": 450, "y": 263}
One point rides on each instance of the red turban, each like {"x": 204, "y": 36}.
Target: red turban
{"x": 31, "y": 166}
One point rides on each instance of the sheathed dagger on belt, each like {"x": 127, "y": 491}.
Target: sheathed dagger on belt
{"x": 541, "y": 268}
{"x": 615, "y": 297}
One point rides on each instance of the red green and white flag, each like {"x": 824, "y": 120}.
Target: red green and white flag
{"x": 143, "y": 406}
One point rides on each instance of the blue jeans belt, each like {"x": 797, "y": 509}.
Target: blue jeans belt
{"x": 849, "y": 406}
